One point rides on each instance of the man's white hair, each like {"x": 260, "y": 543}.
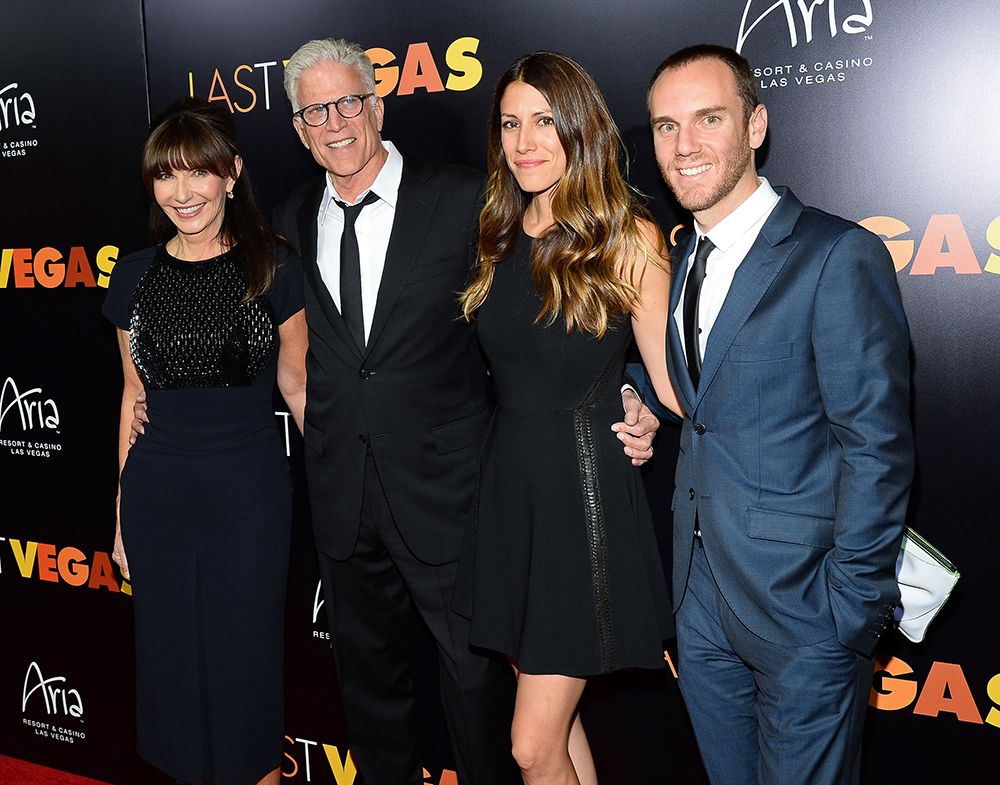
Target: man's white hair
{"x": 335, "y": 50}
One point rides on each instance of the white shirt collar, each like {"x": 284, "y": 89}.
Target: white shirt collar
{"x": 741, "y": 220}
{"x": 386, "y": 183}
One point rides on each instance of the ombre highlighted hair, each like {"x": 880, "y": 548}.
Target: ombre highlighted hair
{"x": 584, "y": 267}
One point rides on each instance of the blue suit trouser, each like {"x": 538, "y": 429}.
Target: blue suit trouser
{"x": 763, "y": 713}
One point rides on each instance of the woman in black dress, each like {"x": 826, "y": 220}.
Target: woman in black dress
{"x": 565, "y": 569}
{"x": 207, "y": 320}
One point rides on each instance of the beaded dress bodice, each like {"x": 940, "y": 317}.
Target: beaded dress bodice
{"x": 190, "y": 328}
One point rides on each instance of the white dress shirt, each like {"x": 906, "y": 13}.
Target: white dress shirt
{"x": 373, "y": 227}
{"x": 733, "y": 237}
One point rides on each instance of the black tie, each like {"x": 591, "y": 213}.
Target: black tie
{"x": 691, "y": 294}
{"x": 350, "y": 271}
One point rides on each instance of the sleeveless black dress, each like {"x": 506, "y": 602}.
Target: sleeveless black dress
{"x": 565, "y": 571}
{"x": 206, "y": 505}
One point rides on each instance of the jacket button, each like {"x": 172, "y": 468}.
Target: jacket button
{"x": 699, "y": 428}
{"x": 691, "y": 494}
{"x": 365, "y": 374}
{"x": 362, "y": 438}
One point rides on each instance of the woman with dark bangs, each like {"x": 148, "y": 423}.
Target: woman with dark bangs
{"x": 563, "y": 574}
{"x": 207, "y": 319}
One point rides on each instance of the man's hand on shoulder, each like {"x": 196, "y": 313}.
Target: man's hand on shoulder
{"x": 139, "y": 418}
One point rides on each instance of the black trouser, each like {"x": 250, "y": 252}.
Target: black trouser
{"x": 368, "y": 601}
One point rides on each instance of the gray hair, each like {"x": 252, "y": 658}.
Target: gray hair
{"x": 335, "y": 50}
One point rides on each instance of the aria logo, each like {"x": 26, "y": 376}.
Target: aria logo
{"x": 852, "y": 24}
{"x": 16, "y": 108}
{"x": 17, "y": 112}
{"x": 38, "y": 417}
{"x": 33, "y": 412}
{"x": 318, "y": 602}
{"x": 51, "y": 693}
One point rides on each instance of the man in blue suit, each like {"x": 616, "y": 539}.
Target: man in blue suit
{"x": 788, "y": 346}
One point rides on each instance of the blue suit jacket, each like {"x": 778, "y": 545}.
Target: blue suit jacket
{"x": 796, "y": 449}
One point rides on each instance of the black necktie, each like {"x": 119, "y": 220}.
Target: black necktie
{"x": 691, "y": 294}
{"x": 350, "y": 271}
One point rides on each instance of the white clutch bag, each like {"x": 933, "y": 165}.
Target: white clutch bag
{"x": 926, "y": 578}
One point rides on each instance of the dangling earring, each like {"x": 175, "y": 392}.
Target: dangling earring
{"x": 229, "y": 194}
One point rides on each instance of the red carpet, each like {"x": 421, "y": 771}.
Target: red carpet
{"x": 19, "y": 772}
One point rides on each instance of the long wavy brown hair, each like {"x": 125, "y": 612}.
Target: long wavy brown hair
{"x": 579, "y": 263}
{"x": 191, "y": 134}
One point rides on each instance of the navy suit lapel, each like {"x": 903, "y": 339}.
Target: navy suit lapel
{"x": 752, "y": 280}
{"x": 307, "y": 217}
{"x": 676, "y": 361}
{"x": 414, "y": 209}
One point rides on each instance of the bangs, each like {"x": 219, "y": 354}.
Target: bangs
{"x": 184, "y": 144}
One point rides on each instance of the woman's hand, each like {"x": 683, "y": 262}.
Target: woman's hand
{"x": 118, "y": 551}
{"x": 637, "y": 429}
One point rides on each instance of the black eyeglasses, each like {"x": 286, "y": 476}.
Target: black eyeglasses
{"x": 347, "y": 107}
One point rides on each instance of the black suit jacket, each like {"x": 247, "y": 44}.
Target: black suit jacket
{"x": 418, "y": 396}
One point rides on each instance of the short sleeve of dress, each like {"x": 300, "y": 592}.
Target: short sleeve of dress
{"x": 126, "y": 274}
{"x": 286, "y": 292}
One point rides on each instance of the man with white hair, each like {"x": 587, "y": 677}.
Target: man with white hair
{"x": 399, "y": 403}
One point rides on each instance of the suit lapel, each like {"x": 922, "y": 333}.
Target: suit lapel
{"x": 414, "y": 209}
{"x": 752, "y": 280}
{"x": 307, "y": 218}
{"x": 676, "y": 359}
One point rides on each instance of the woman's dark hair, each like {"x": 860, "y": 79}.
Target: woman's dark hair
{"x": 195, "y": 134}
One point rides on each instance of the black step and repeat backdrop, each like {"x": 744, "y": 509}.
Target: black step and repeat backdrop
{"x": 883, "y": 111}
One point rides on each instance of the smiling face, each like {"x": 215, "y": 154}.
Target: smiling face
{"x": 349, "y": 149}
{"x": 194, "y": 200}
{"x": 704, "y": 143}
{"x": 531, "y": 145}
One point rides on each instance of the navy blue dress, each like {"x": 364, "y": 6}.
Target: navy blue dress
{"x": 206, "y": 501}
{"x": 564, "y": 567}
